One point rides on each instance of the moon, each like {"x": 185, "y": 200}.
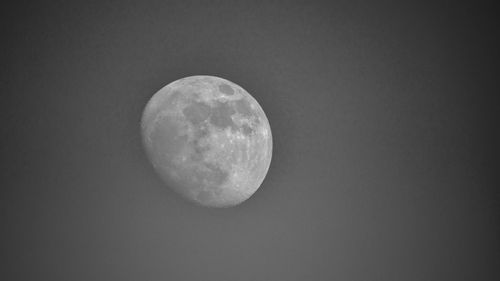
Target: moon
{"x": 208, "y": 139}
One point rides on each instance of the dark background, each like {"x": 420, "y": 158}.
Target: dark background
{"x": 382, "y": 114}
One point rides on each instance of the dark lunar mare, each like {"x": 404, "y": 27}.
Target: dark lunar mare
{"x": 226, "y": 89}
{"x": 197, "y": 112}
{"x": 243, "y": 107}
{"x": 221, "y": 116}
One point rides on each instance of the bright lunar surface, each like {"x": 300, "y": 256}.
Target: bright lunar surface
{"x": 208, "y": 139}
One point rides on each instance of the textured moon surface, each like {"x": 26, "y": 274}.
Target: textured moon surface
{"x": 208, "y": 139}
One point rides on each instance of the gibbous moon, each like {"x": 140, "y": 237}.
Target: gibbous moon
{"x": 208, "y": 139}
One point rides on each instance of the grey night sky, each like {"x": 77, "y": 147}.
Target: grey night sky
{"x": 385, "y": 149}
